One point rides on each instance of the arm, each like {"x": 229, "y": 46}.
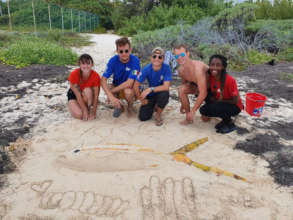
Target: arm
{"x": 75, "y": 88}
{"x": 127, "y": 84}
{"x": 202, "y": 88}
{"x": 164, "y": 87}
{"x": 96, "y": 101}
{"x": 108, "y": 92}
{"x": 136, "y": 89}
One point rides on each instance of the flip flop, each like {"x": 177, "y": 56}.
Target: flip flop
{"x": 159, "y": 122}
{"x": 117, "y": 112}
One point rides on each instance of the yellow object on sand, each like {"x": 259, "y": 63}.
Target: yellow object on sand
{"x": 190, "y": 147}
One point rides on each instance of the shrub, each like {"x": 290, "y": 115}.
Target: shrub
{"x": 286, "y": 54}
{"x": 231, "y": 17}
{"x": 35, "y": 51}
{"x": 161, "y": 16}
{"x": 255, "y": 57}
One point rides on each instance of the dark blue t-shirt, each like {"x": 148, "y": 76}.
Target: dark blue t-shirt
{"x": 155, "y": 78}
{"x": 122, "y": 71}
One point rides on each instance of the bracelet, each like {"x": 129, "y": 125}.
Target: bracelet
{"x": 153, "y": 89}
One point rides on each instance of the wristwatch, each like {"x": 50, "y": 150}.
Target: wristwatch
{"x": 153, "y": 89}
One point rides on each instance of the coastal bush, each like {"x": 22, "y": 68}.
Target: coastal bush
{"x": 162, "y": 16}
{"x": 286, "y": 54}
{"x": 256, "y": 57}
{"x": 36, "y": 51}
{"x": 231, "y": 17}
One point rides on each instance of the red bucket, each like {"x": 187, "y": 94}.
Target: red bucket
{"x": 255, "y": 103}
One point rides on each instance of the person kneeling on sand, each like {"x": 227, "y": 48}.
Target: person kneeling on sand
{"x": 155, "y": 97}
{"x": 84, "y": 90}
{"x": 225, "y": 101}
{"x": 125, "y": 67}
{"x": 194, "y": 81}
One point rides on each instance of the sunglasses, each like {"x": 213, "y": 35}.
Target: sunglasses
{"x": 159, "y": 56}
{"x": 180, "y": 55}
{"x": 125, "y": 51}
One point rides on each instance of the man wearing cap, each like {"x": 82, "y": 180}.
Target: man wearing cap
{"x": 156, "y": 96}
{"x": 194, "y": 81}
{"x": 125, "y": 67}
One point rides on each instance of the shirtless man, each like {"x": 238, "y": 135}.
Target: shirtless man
{"x": 194, "y": 81}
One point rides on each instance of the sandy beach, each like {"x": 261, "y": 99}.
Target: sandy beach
{"x": 122, "y": 169}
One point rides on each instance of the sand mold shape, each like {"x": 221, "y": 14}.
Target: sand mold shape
{"x": 111, "y": 159}
{"x": 89, "y": 203}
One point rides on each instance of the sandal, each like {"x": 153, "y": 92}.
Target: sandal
{"x": 159, "y": 122}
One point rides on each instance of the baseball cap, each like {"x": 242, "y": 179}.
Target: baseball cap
{"x": 158, "y": 49}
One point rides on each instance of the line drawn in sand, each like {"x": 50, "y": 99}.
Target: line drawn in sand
{"x": 89, "y": 202}
{"x": 169, "y": 200}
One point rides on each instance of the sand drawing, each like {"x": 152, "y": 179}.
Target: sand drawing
{"x": 89, "y": 203}
{"x": 169, "y": 200}
{"x": 3, "y": 210}
{"x": 129, "y": 157}
{"x": 35, "y": 217}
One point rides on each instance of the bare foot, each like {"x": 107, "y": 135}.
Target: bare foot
{"x": 205, "y": 118}
{"x": 185, "y": 122}
{"x": 130, "y": 111}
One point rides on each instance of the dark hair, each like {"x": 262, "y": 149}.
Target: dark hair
{"x": 122, "y": 41}
{"x": 224, "y": 72}
{"x": 84, "y": 58}
{"x": 179, "y": 46}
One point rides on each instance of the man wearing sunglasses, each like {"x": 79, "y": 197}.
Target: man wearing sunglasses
{"x": 156, "y": 96}
{"x": 194, "y": 81}
{"x": 125, "y": 67}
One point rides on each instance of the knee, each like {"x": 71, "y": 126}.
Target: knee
{"x": 181, "y": 90}
{"x": 203, "y": 110}
{"x": 144, "y": 117}
{"x": 128, "y": 92}
{"x": 163, "y": 99}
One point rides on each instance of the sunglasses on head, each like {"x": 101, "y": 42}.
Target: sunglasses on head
{"x": 125, "y": 51}
{"x": 179, "y": 55}
{"x": 159, "y": 56}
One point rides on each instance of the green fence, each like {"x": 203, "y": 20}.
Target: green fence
{"x": 39, "y": 15}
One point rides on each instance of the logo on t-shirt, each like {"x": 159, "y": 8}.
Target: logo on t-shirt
{"x": 139, "y": 75}
{"x": 162, "y": 77}
{"x": 135, "y": 72}
{"x": 127, "y": 68}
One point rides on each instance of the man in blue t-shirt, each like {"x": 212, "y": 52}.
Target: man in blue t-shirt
{"x": 159, "y": 77}
{"x": 125, "y": 67}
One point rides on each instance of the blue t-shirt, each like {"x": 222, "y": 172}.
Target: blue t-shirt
{"x": 155, "y": 78}
{"x": 122, "y": 71}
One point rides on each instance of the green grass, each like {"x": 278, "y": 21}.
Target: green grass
{"x": 286, "y": 55}
{"x": 287, "y": 76}
{"x": 36, "y": 51}
{"x": 255, "y": 57}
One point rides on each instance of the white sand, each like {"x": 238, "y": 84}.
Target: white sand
{"x": 106, "y": 181}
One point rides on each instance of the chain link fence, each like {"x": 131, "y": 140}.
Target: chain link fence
{"x": 39, "y": 15}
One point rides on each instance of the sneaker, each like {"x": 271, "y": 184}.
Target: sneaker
{"x": 117, "y": 112}
{"x": 227, "y": 128}
{"x": 219, "y": 125}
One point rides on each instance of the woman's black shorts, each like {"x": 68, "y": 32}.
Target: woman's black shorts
{"x": 71, "y": 95}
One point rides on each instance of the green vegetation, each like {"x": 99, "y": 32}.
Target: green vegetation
{"x": 22, "y": 49}
{"x": 287, "y": 76}
{"x": 286, "y": 54}
{"x": 255, "y": 57}
{"x": 36, "y": 51}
